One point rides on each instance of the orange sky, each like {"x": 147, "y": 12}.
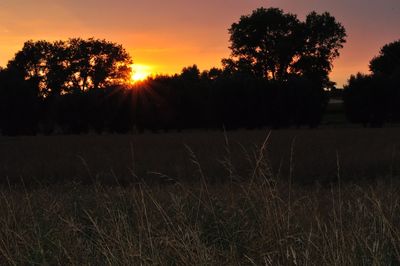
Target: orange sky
{"x": 170, "y": 34}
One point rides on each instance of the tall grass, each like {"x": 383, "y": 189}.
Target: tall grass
{"x": 258, "y": 219}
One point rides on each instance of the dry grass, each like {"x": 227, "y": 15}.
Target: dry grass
{"x": 222, "y": 203}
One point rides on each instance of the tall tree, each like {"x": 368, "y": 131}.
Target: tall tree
{"x": 323, "y": 38}
{"x": 64, "y": 66}
{"x": 388, "y": 61}
{"x": 98, "y": 63}
{"x": 266, "y": 42}
{"x": 274, "y": 44}
{"x": 31, "y": 63}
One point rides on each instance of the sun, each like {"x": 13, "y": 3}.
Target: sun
{"x": 140, "y": 72}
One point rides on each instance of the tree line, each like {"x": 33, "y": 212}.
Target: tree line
{"x": 277, "y": 76}
{"x": 374, "y": 99}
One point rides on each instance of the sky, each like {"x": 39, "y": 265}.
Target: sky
{"x": 167, "y": 35}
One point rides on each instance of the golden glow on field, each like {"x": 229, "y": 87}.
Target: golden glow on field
{"x": 140, "y": 72}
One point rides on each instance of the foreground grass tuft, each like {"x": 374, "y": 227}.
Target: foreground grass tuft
{"x": 191, "y": 225}
{"x": 253, "y": 215}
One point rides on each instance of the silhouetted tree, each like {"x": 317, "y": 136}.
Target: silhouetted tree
{"x": 19, "y": 105}
{"x": 274, "y": 78}
{"x": 387, "y": 63}
{"x": 375, "y": 98}
{"x": 97, "y": 63}
{"x": 66, "y": 66}
{"x": 386, "y": 67}
{"x": 192, "y": 93}
{"x": 211, "y": 74}
{"x": 31, "y": 64}
{"x": 190, "y": 73}
{"x": 296, "y": 56}
{"x": 274, "y": 44}
{"x": 323, "y": 37}
{"x": 367, "y": 100}
{"x": 265, "y": 42}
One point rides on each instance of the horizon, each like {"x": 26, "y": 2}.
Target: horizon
{"x": 167, "y": 36}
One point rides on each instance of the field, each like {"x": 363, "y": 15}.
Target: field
{"x": 281, "y": 197}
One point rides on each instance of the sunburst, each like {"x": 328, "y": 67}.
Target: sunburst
{"x": 140, "y": 73}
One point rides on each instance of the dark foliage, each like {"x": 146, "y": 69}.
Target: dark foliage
{"x": 65, "y": 67}
{"x": 374, "y": 99}
{"x": 275, "y": 45}
{"x": 177, "y": 102}
{"x": 78, "y": 86}
{"x": 19, "y": 105}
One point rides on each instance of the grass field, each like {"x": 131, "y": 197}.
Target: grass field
{"x": 362, "y": 153}
{"x": 285, "y": 197}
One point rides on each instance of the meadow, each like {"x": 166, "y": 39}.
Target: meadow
{"x": 328, "y": 196}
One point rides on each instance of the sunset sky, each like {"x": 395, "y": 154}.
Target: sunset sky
{"x": 167, "y": 35}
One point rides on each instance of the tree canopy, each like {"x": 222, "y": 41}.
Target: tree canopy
{"x": 77, "y": 64}
{"x": 388, "y": 60}
{"x": 275, "y": 45}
